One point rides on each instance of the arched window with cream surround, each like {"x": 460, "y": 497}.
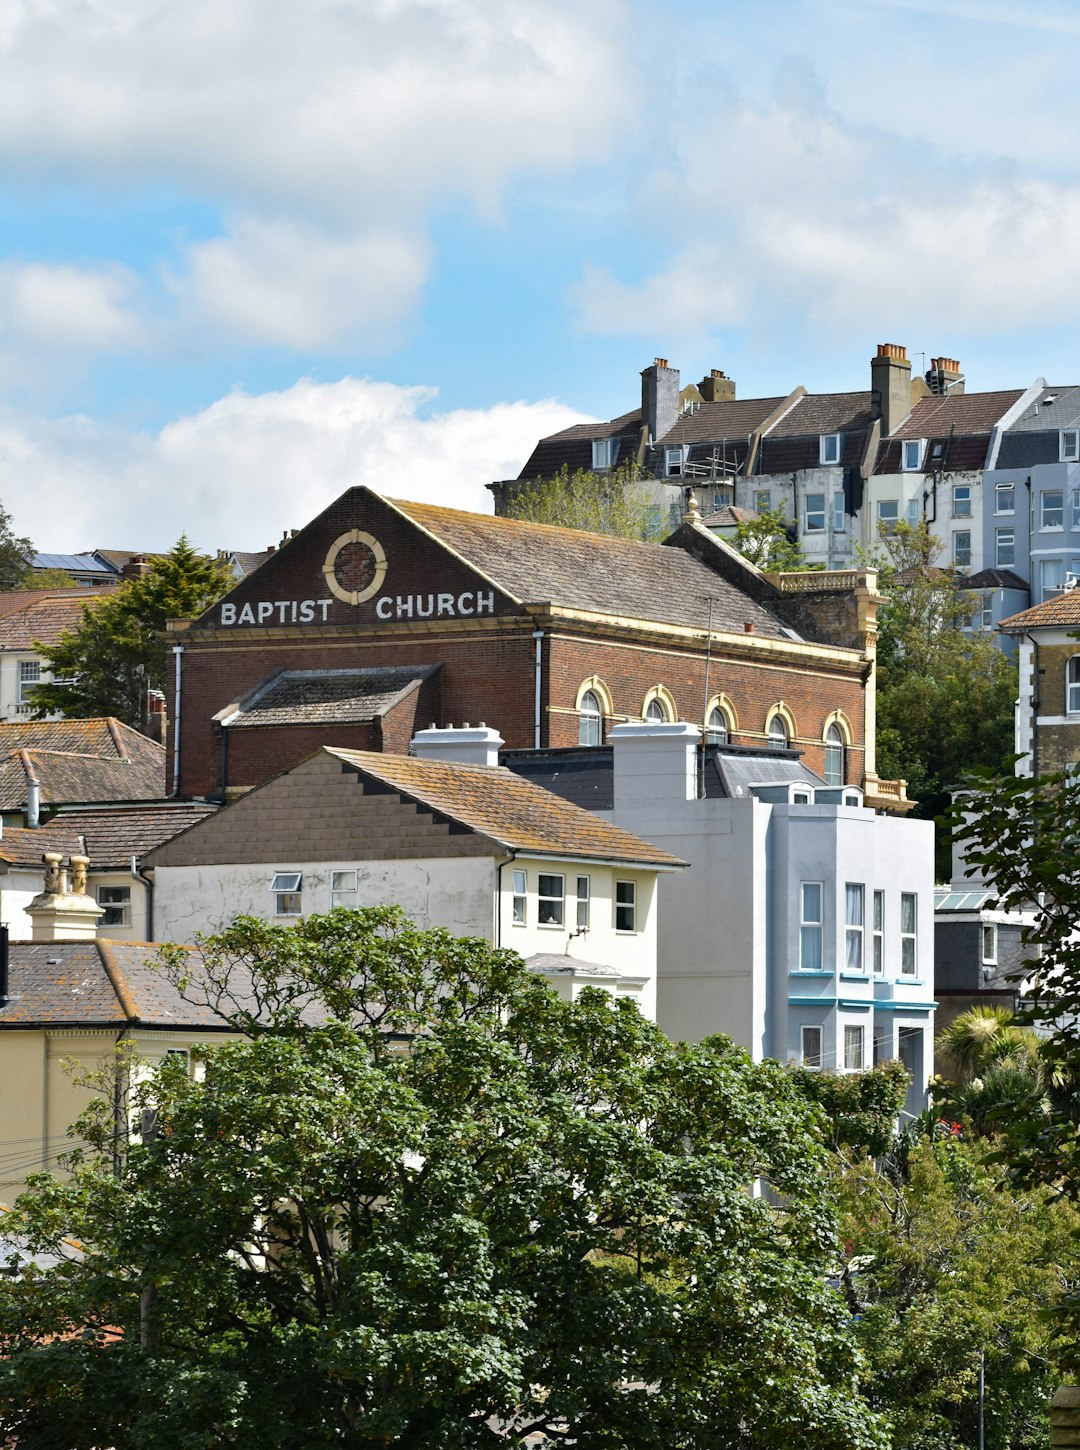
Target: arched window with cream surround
{"x": 720, "y": 722}
{"x": 1072, "y": 686}
{"x": 658, "y": 707}
{"x": 779, "y": 727}
{"x": 592, "y": 704}
{"x": 834, "y": 756}
{"x": 778, "y": 734}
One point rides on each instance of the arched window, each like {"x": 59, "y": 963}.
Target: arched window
{"x": 716, "y": 727}
{"x": 834, "y": 755}
{"x": 778, "y": 736}
{"x": 658, "y": 707}
{"x": 655, "y": 713}
{"x": 1072, "y": 686}
{"x": 591, "y": 721}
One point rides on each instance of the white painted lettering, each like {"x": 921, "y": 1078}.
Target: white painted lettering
{"x": 228, "y": 614}
{"x": 307, "y": 611}
{"x": 282, "y": 607}
{"x": 324, "y": 605}
{"x": 446, "y": 604}
{"x": 425, "y": 605}
{"x": 247, "y": 615}
{"x": 404, "y": 606}
{"x": 293, "y": 619}
{"x": 464, "y": 602}
{"x": 485, "y": 603}
{"x": 266, "y": 609}
{"x": 384, "y": 607}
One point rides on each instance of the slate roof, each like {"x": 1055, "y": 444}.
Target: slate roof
{"x": 1044, "y": 416}
{"x": 961, "y": 422}
{"x": 247, "y": 563}
{"x": 110, "y": 835}
{"x": 992, "y": 579}
{"x": 734, "y": 419}
{"x": 818, "y": 413}
{"x": 595, "y": 573}
{"x": 327, "y": 697}
{"x": 572, "y": 447}
{"x": 96, "y": 984}
{"x": 1061, "y": 609}
{"x": 500, "y": 805}
{"x": 46, "y": 617}
{"x": 78, "y": 761}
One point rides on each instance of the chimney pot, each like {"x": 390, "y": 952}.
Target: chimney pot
{"x": 748, "y": 626}
{"x": 890, "y": 383}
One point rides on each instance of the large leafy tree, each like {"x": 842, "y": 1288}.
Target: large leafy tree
{"x": 419, "y": 1201}
{"x": 15, "y": 555}
{"x": 770, "y": 542}
{"x": 116, "y": 653}
{"x": 944, "y": 695}
{"x": 621, "y": 502}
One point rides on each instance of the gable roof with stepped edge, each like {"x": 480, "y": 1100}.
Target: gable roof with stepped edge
{"x": 78, "y": 761}
{"x": 331, "y": 697}
{"x": 109, "y": 834}
{"x": 97, "y": 983}
{"x": 487, "y": 801}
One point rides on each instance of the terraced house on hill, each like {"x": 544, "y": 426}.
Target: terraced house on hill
{"x": 29, "y": 617}
{"x": 49, "y": 763}
{"x": 382, "y": 616}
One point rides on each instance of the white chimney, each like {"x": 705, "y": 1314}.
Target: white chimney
{"x": 654, "y": 763}
{"x": 468, "y": 745}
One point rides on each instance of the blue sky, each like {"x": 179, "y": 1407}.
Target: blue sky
{"x": 252, "y": 252}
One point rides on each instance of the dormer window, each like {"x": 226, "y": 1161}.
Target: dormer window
{"x": 1070, "y": 446}
{"x": 829, "y": 448}
{"x": 911, "y": 454}
{"x": 604, "y": 452}
{"x": 673, "y": 462}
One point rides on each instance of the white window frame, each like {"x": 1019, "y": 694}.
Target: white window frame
{"x": 883, "y": 520}
{"x": 1049, "y": 567}
{"x": 604, "y": 453}
{"x": 674, "y": 458}
{"x": 854, "y": 930}
{"x": 961, "y": 548}
{"x": 1072, "y": 685}
{"x": 913, "y": 509}
{"x": 911, "y": 454}
{"x": 344, "y": 888}
{"x": 779, "y": 739}
{"x": 717, "y": 729}
{"x": 986, "y": 609}
{"x": 116, "y": 902}
{"x": 626, "y": 907}
{"x": 811, "y": 929}
{"x": 839, "y": 512}
{"x": 812, "y": 1046}
{"x": 877, "y": 963}
{"x": 988, "y": 934}
{"x": 519, "y": 902}
{"x": 1070, "y": 445}
{"x": 1000, "y": 490}
{"x": 909, "y": 939}
{"x": 288, "y": 889}
{"x": 811, "y": 514}
{"x": 999, "y": 545}
{"x": 834, "y": 755}
{"x": 29, "y": 679}
{"x": 1051, "y": 509}
{"x": 961, "y": 501}
{"x": 722, "y": 499}
{"x": 590, "y": 719}
{"x": 762, "y": 500}
{"x": 854, "y": 1047}
{"x": 550, "y": 901}
{"x": 1074, "y": 508}
{"x": 829, "y": 449}
{"x": 583, "y": 893}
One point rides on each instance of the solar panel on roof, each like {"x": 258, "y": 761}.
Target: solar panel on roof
{"x": 83, "y": 563}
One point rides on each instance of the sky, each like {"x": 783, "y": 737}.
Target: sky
{"x": 255, "y": 252}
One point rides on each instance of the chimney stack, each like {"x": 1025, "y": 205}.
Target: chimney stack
{"x": 944, "y": 376}
{"x": 717, "y": 387}
{"x": 64, "y": 912}
{"x": 477, "y": 745}
{"x": 135, "y": 567}
{"x": 890, "y": 383}
{"x": 659, "y": 398}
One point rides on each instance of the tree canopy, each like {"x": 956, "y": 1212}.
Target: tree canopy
{"x": 421, "y": 1201}
{"x": 769, "y": 541}
{"x": 108, "y": 662}
{"x": 15, "y": 555}
{"x": 619, "y": 502}
{"x": 944, "y": 695}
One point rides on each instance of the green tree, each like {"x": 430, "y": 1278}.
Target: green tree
{"x": 15, "y": 556}
{"x": 994, "y": 1069}
{"x": 49, "y": 579}
{"x": 622, "y": 502}
{"x": 944, "y": 1260}
{"x": 862, "y": 1107}
{"x": 108, "y": 662}
{"x": 767, "y": 540}
{"x": 944, "y": 696}
{"x": 420, "y": 1201}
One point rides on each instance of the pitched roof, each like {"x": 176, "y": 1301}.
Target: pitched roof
{"x": 78, "y": 761}
{"x": 1054, "y": 408}
{"x": 572, "y": 447}
{"x": 936, "y": 416}
{"x": 1060, "y": 609}
{"x": 46, "y": 617}
{"x": 12, "y": 600}
{"x": 595, "y": 573}
{"x": 709, "y": 422}
{"x": 74, "y": 563}
{"x": 332, "y": 697}
{"x": 992, "y": 579}
{"x": 510, "y": 811}
{"x": 96, "y": 984}
{"x": 729, "y": 518}
{"x": 110, "y": 835}
{"x": 818, "y": 413}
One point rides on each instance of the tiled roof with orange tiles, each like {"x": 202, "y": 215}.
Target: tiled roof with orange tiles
{"x": 1062, "y": 609}
{"x": 15, "y": 599}
{"x": 102, "y": 735}
{"x": 513, "y": 812}
{"x": 594, "y": 573}
{"x": 66, "y": 777}
{"x": 46, "y": 618}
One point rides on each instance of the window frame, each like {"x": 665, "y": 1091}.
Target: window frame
{"x": 590, "y": 721}
{"x": 986, "y": 609}
{"x": 674, "y": 460}
{"x": 854, "y": 1033}
{"x": 27, "y": 683}
{"x": 552, "y": 903}
{"x": 811, "y": 929}
{"x": 336, "y": 889}
{"x": 909, "y": 938}
{"x": 963, "y": 512}
{"x": 813, "y": 1059}
{"x": 1069, "y": 445}
{"x": 775, "y": 740}
{"x": 999, "y": 489}
{"x": 835, "y": 769}
{"x": 604, "y": 453}
{"x": 911, "y": 461}
{"x": 582, "y": 899}
{"x": 1047, "y": 566}
{"x": 288, "y": 900}
{"x": 961, "y": 551}
{"x": 121, "y": 904}
{"x": 1046, "y": 509}
{"x": 888, "y": 524}
{"x": 1072, "y": 686}
{"x": 815, "y": 513}
{"x": 839, "y": 512}
{"x": 999, "y": 535}
{"x": 711, "y": 732}
{"x": 829, "y": 448}
{"x": 625, "y": 902}
{"x": 988, "y": 932}
{"x": 762, "y": 500}
{"x": 519, "y": 897}
{"x": 855, "y": 931}
{"x": 877, "y": 957}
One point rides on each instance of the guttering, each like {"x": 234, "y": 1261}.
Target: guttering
{"x": 498, "y": 895}
{"x": 178, "y": 655}
{"x": 1035, "y": 692}
{"x": 538, "y": 667}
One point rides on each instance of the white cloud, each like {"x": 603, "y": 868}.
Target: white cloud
{"x": 51, "y": 307}
{"x": 238, "y": 473}
{"x": 291, "y": 286}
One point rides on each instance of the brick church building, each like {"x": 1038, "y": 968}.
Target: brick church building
{"x": 382, "y": 617}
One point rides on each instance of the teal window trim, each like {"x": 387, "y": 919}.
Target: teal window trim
{"x": 894, "y": 1006}
{"x": 811, "y": 1001}
{"x": 854, "y": 976}
{"x": 807, "y": 972}
{"x": 855, "y": 1004}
